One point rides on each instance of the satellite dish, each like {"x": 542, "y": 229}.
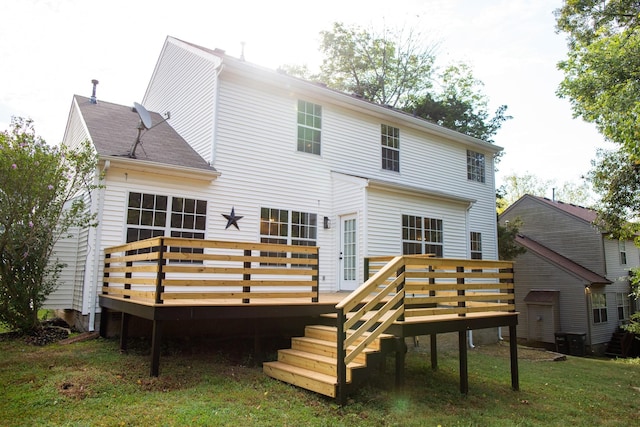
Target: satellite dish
{"x": 145, "y": 117}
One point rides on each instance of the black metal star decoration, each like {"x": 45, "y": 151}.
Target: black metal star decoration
{"x": 232, "y": 219}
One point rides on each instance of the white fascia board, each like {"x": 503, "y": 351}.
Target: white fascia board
{"x": 162, "y": 168}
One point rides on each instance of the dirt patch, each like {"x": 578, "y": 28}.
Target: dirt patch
{"x": 498, "y": 349}
{"x": 78, "y": 388}
{"x": 501, "y": 349}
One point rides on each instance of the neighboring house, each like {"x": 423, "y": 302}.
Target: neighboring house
{"x": 294, "y": 161}
{"x": 572, "y": 279}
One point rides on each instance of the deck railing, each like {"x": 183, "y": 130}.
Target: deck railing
{"x": 411, "y": 286}
{"x": 169, "y": 269}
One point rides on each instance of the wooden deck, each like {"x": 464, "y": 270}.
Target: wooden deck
{"x": 167, "y": 280}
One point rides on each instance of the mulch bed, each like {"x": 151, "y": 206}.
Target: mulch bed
{"x": 52, "y": 331}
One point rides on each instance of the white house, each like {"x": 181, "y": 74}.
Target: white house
{"x": 294, "y": 161}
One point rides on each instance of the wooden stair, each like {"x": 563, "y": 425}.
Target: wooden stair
{"x": 620, "y": 344}
{"x": 311, "y": 362}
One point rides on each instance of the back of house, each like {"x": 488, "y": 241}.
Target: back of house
{"x": 288, "y": 160}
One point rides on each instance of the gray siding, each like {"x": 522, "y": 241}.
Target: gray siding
{"x": 533, "y": 272}
{"x": 565, "y": 234}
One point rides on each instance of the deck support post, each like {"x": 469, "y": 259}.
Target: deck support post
{"x": 124, "y": 331}
{"x": 513, "y": 353}
{"x": 464, "y": 371}
{"x": 156, "y": 339}
{"x": 401, "y": 353}
{"x": 104, "y": 319}
{"x": 434, "y": 351}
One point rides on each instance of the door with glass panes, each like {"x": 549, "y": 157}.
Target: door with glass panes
{"x": 348, "y": 253}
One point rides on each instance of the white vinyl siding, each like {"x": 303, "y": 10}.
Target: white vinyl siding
{"x": 65, "y": 251}
{"x": 191, "y": 101}
{"x": 384, "y": 227}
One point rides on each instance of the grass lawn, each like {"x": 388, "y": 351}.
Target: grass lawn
{"x": 91, "y": 383}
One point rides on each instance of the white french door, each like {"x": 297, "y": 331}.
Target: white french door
{"x": 348, "y": 253}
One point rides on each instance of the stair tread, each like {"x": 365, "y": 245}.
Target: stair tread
{"x": 331, "y": 344}
{"x": 350, "y": 331}
{"x": 319, "y": 357}
{"x": 317, "y": 376}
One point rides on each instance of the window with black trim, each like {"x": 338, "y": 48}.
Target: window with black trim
{"x": 476, "y": 245}
{"x": 309, "y": 127}
{"x": 153, "y": 215}
{"x": 475, "y": 166}
{"x": 422, "y": 235}
{"x": 390, "y": 140}
{"x": 288, "y": 228}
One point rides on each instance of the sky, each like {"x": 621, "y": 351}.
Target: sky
{"x": 50, "y": 50}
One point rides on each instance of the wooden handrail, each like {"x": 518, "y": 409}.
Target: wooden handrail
{"x": 171, "y": 268}
{"x": 412, "y": 286}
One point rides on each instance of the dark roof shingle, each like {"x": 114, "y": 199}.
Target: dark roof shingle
{"x": 113, "y": 129}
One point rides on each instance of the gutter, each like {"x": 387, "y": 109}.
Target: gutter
{"x": 164, "y": 169}
{"x": 93, "y": 287}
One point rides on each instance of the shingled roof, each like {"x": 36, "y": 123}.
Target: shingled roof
{"x": 581, "y": 212}
{"x": 561, "y": 261}
{"x": 113, "y": 129}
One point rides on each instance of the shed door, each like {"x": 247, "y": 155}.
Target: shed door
{"x": 348, "y": 253}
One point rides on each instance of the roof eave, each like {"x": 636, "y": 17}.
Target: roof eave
{"x": 439, "y": 195}
{"x": 273, "y": 77}
{"x": 161, "y": 168}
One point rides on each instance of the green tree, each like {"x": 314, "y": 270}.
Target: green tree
{"x": 508, "y": 249}
{"x": 460, "y": 105}
{"x": 602, "y": 69}
{"x": 383, "y": 67}
{"x": 397, "y": 68}
{"x": 616, "y": 177}
{"x": 602, "y": 83}
{"x": 41, "y": 199}
{"x": 516, "y": 186}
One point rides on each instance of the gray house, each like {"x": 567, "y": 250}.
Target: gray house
{"x": 572, "y": 284}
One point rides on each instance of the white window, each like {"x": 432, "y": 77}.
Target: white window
{"x": 309, "y": 127}
{"x": 624, "y": 304}
{"x": 422, "y": 235}
{"x": 390, "y": 140}
{"x": 475, "y": 166}
{"x": 476, "y": 245}
{"x": 599, "y": 306}
{"x": 623, "y": 252}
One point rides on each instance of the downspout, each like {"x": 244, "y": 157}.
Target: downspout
{"x": 587, "y": 292}
{"x": 468, "y": 231}
{"x": 93, "y": 287}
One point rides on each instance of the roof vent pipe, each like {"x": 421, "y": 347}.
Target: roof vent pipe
{"x": 93, "y": 94}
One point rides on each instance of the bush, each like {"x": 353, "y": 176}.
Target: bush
{"x": 42, "y": 196}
